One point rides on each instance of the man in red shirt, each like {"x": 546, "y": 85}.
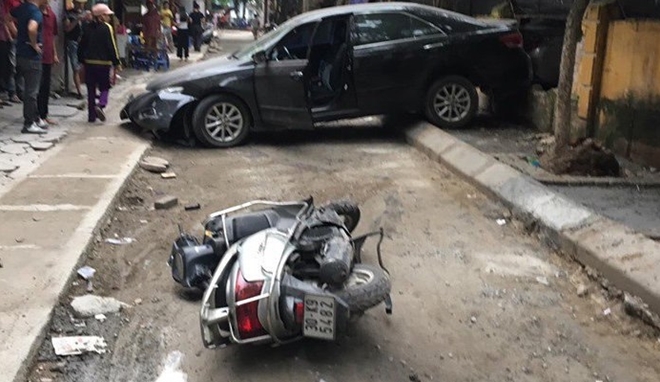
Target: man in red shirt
{"x": 48, "y": 59}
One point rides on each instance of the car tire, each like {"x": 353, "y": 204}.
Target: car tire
{"x": 451, "y": 102}
{"x": 221, "y": 121}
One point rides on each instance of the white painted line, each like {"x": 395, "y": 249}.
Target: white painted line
{"x": 19, "y": 246}
{"x": 44, "y": 208}
{"x": 74, "y": 175}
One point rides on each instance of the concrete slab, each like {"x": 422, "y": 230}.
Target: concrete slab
{"x": 60, "y": 111}
{"x": 534, "y": 198}
{"x": 56, "y": 191}
{"x": 467, "y": 160}
{"x": 41, "y": 229}
{"x": 87, "y": 156}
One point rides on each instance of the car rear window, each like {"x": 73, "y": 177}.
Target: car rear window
{"x": 377, "y": 27}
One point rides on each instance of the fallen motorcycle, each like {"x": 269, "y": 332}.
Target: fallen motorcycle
{"x": 282, "y": 272}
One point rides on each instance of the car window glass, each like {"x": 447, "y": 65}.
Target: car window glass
{"x": 294, "y": 45}
{"x": 378, "y": 27}
{"x": 421, "y": 28}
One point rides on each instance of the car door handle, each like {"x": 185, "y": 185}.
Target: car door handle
{"x": 296, "y": 75}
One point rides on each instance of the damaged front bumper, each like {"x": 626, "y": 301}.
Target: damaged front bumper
{"x": 155, "y": 110}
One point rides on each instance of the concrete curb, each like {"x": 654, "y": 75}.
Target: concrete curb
{"x": 628, "y": 259}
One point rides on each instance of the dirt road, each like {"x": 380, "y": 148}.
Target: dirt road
{"x": 473, "y": 300}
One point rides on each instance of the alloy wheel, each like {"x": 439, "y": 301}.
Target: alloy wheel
{"x": 452, "y": 102}
{"x": 224, "y": 122}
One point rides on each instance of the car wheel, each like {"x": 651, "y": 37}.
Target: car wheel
{"x": 221, "y": 121}
{"x": 451, "y": 102}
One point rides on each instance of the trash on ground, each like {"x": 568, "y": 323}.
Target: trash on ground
{"x": 172, "y": 369}
{"x": 144, "y": 221}
{"x": 137, "y": 301}
{"x": 543, "y": 280}
{"x": 101, "y": 317}
{"x": 501, "y": 221}
{"x": 86, "y": 272}
{"x": 168, "y": 175}
{"x": 65, "y": 346}
{"x": 190, "y": 207}
{"x": 607, "y": 312}
{"x": 90, "y": 305}
{"x": 166, "y": 202}
{"x": 90, "y": 286}
{"x": 120, "y": 241}
{"x": 582, "y": 290}
{"x": 154, "y": 164}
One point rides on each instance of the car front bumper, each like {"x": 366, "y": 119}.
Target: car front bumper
{"x": 155, "y": 110}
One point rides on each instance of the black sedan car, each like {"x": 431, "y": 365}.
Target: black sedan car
{"x": 336, "y": 63}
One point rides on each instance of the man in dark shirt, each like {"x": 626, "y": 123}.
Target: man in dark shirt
{"x": 196, "y": 19}
{"x": 28, "y": 18}
{"x": 72, "y": 31}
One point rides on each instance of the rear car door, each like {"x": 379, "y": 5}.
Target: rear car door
{"x": 280, "y": 83}
{"x": 390, "y": 57}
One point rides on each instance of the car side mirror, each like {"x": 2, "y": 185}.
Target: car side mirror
{"x": 259, "y": 57}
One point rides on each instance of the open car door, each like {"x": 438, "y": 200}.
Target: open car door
{"x": 281, "y": 80}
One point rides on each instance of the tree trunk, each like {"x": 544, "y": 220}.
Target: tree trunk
{"x": 562, "y": 118}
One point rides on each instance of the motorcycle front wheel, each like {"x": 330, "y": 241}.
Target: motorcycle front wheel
{"x": 366, "y": 287}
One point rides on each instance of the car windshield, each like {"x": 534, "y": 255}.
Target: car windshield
{"x": 264, "y": 41}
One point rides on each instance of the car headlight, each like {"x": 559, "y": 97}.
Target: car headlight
{"x": 173, "y": 89}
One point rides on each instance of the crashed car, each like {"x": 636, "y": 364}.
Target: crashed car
{"x": 336, "y": 63}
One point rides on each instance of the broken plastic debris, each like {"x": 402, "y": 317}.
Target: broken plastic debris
{"x": 501, "y": 221}
{"x": 101, "y": 317}
{"x": 543, "y": 280}
{"x": 144, "y": 221}
{"x": 607, "y": 312}
{"x": 78, "y": 345}
{"x": 86, "y": 272}
{"x": 122, "y": 241}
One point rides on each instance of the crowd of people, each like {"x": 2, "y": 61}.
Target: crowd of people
{"x": 28, "y": 35}
{"x": 28, "y": 30}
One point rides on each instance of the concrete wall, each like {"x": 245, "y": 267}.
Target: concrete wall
{"x": 629, "y": 104}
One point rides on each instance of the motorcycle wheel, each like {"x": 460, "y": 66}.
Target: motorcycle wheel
{"x": 366, "y": 287}
{"x": 348, "y": 211}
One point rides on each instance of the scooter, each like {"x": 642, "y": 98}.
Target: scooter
{"x": 277, "y": 272}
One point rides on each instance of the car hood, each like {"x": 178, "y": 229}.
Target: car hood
{"x": 209, "y": 68}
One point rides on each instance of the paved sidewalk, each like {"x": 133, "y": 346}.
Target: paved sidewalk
{"x": 48, "y": 215}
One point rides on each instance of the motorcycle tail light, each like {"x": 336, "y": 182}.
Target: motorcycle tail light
{"x": 512, "y": 40}
{"x": 299, "y": 312}
{"x": 247, "y": 315}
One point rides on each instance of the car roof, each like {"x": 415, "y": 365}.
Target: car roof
{"x": 375, "y": 7}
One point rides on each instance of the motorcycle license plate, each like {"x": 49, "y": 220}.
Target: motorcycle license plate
{"x": 319, "y": 317}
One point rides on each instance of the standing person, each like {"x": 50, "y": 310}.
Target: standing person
{"x": 182, "y": 34}
{"x": 255, "y": 24}
{"x": 196, "y": 19}
{"x": 72, "y": 31}
{"x": 48, "y": 58}
{"x": 29, "y": 19}
{"x": 166, "y": 20}
{"x": 98, "y": 53}
{"x": 8, "y": 50}
{"x": 151, "y": 27}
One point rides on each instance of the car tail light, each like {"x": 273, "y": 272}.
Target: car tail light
{"x": 247, "y": 315}
{"x": 299, "y": 312}
{"x": 512, "y": 40}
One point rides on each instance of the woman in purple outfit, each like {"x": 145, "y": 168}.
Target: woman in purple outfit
{"x": 98, "y": 53}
